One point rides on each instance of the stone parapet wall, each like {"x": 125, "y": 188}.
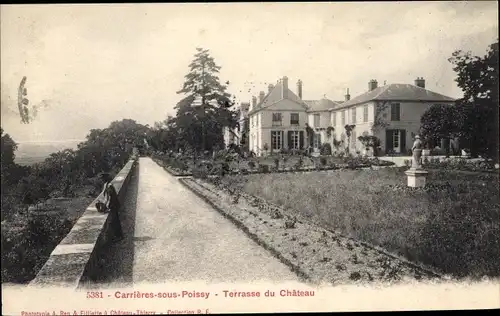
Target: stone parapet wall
{"x": 76, "y": 259}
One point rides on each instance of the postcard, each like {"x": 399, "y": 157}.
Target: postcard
{"x": 211, "y": 158}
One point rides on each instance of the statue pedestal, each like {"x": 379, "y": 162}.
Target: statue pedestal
{"x": 416, "y": 177}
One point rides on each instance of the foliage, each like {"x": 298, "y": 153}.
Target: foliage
{"x": 370, "y": 141}
{"x": 33, "y": 189}
{"x": 251, "y": 164}
{"x": 348, "y": 131}
{"x": 201, "y": 128}
{"x": 479, "y": 107}
{"x": 323, "y": 161}
{"x": 326, "y": 149}
{"x": 337, "y": 143}
{"x": 8, "y": 148}
{"x": 459, "y": 164}
{"x": 310, "y": 136}
{"x": 329, "y": 131}
{"x": 440, "y": 121}
{"x": 379, "y": 122}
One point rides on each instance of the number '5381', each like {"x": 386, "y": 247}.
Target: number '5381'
{"x": 94, "y": 295}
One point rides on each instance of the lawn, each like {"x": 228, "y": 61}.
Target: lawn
{"x": 452, "y": 225}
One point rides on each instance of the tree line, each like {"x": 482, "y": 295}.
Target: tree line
{"x": 60, "y": 174}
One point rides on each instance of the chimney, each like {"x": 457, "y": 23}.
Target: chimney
{"x": 254, "y": 102}
{"x": 372, "y": 85}
{"x": 270, "y": 87}
{"x": 299, "y": 88}
{"x": 261, "y": 96}
{"x": 284, "y": 86}
{"x": 347, "y": 95}
{"x": 420, "y": 82}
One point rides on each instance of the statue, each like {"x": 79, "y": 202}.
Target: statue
{"x": 417, "y": 153}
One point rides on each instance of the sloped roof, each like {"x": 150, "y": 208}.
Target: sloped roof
{"x": 274, "y": 96}
{"x": 320, "y": 105}
{"x": 399, "y": 92}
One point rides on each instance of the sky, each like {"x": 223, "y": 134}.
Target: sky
{"x": 94, "y": 64}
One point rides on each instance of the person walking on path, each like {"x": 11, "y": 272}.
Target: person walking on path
{"x": 113, "y": 205}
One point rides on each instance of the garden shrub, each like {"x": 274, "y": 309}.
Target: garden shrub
{"x": 326, "y": 149}
{"x": 264, "y": 168}
{"x": 200, "y": 172}
{"x": 251, "y": 164}
{"x": 323, "y": 161}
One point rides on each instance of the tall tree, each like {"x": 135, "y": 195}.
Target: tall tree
{"x": 440, "y": 121}
{"x": 202, "y": 127}
{"x": 479, "y": 108}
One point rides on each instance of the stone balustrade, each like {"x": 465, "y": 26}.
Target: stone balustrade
{"x": 76, "y": 259}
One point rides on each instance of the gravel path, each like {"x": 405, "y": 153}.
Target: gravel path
{"x": 173, "y": 235}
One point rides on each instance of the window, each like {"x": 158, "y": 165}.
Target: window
{"x": 276, "y": 140}
{"x": 353, "y": 115}
{"x": 395, "y": 112}
{"x": 334, "y": 118}
{"x": 294, "y": 140}
{"x": 343, "y": 118}
{"x": 294, "y": 119}
{"x": 316, "y": 120}
{"x": 395, "y": 139}
{"x": 276, "y": 119}
{"x": 365, "y": 113}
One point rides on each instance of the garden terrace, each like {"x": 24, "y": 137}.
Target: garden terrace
{"x": 452, "y": 224}
{"x": 184, "y": 166}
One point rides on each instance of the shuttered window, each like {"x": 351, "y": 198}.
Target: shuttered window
{"x": 395, "y": 112}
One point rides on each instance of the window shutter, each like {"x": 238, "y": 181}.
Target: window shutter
{"x": 319, "y": 140}
{"x": 301, "y": 139}
{"x": 272, "y": 140}
{"x": 388, "y": 140}
{"x": 289, "y": 138}
{"x": 403, "y": 141}
{"x": 282, "y": 141}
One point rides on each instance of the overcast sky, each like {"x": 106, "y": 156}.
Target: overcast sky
{"x": 93, "y": 64}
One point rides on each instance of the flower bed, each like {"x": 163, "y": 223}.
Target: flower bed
{"x": 317, "y": 254}
{"x": 179, "y": 166}
{"x": 452, "y": 224}
{"x": 474, "y": 165}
